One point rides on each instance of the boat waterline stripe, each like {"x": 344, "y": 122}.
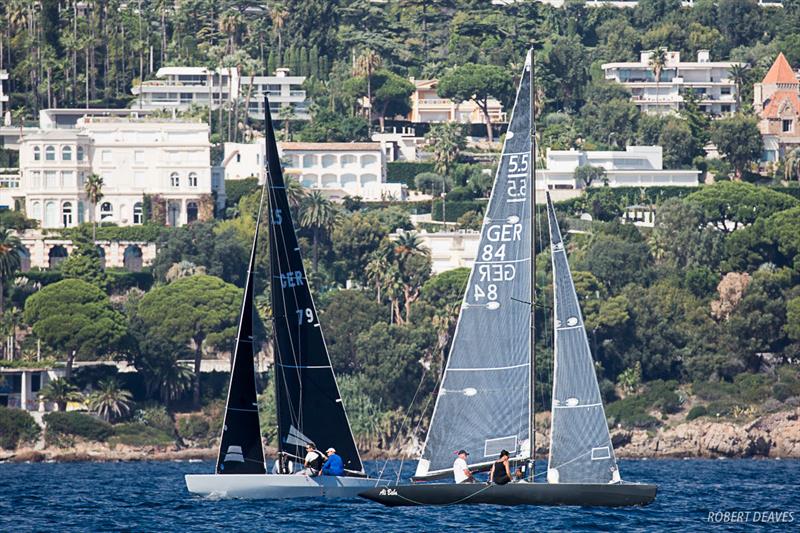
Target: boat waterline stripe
{"x": 576, "y": 406}
{"x": 487, "y": 368}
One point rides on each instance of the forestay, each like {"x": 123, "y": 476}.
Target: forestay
{"x": 580, "y": 445}
{"x": 483, "y": 402}
{"x": 308, "y": 401}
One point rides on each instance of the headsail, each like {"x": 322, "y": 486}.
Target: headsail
{"x": 580, "y": 445}
{"x": 240, "y": 449}
{"x": 483, "y": 403}
{"x": 309, "y": 405}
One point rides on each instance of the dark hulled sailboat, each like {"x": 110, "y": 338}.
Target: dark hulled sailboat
{"x": 309, "y": 406}
{"x": 485, "y": 400}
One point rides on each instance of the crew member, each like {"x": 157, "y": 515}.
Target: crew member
{"x": 462, "y": 474}
{"x": 334, "y": 465}
{"x": 500, "y": 474}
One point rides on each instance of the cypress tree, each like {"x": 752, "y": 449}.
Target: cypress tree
{"x": 313, "y": 62}
{"x": 272, "y": 62}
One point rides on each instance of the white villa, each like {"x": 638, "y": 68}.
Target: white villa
{"x": 450, "y": 249}
{"x": 180, "y": 87}
{"x": 637, "y": 166}
{"x": 710, "y": 80}
{"x": 166, "y": 159}
{"x": 428, "y": 106}
{"x": 336, "y": 169}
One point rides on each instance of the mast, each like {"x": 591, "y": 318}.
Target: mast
{"x": 531, "y": 426}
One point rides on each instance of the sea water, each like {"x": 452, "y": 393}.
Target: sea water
{"x": 694, "y": 495}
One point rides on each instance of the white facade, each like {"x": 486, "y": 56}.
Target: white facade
{"x": 637, "y": 166}
{"x": 165, "y": 158}
{"x": 450, "y": 249}
{"x": 336, "y": 169}
{"x": 180, "y": 87}
{"x": 399, "y": 144}
{"x": 4, "y": 120}
{"x": 710, "y": 80}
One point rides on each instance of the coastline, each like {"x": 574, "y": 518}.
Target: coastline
{"x": 771, "y": 436}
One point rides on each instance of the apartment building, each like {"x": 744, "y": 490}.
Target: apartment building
{"x": 428, "y": 106}
{"x": 166, "y": 159}
{"x": 180, "y": 87}
{"x": 777, "y": 101}
{"x": 710, "y": 80}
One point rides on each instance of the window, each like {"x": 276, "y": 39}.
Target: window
{"x": 725, "y": 90}
{"x": 50, "y": 153}
{"x": 308, "y": 161}
{"x": 36, "y": 210}
{"x": 68, "y": 178}
{"x": 191, "y": 212}
{"x": 138, "y": 157}
{"x": 66, "y": 153}
{"x": 137, "y": 213}
{"x": 725, "y": 108}
{"x": 81, "y": 179}
{"x": 50, "y": 215}
{"x": 106, "y": 211}
{"x": 37, "y": 153}
{"x": 36, "y": 179}
{"x": 328, "y": 160}
{"x": 50, "y": 178}
{"x": 238, "y": 158}
{"x": 786, "y": 125}
{"x": 80, "y": 213}
{"x": 192, "y": 179}
{"x": 80, "y": 154}
{"x": 106, "y": 156}
{"x": 66, "y": 214}
{"x": 174, "y": 180}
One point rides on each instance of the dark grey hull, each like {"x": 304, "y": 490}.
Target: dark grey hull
{"x": 579, "y": 494}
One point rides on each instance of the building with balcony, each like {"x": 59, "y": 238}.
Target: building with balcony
{"x": 637, "y": 166}
{"x": 169, "y": 160}
{"x": 428, "y": 106}
{"x": 5, "y": 115}
{"x": 177, "y": 88}
{"x": 777, "y": 101}
{"x": 336, "y": 169}
{"x": 449, "y": 249}
{"x": 709, "y": 80}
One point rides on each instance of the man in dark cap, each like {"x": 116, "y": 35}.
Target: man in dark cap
{"x": 461, "y": 473}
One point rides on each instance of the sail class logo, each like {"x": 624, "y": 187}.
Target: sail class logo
{"x": 755, "y": 517}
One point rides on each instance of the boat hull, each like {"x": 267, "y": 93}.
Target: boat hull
{"x": 578, "y": 494}
{"x": 269, "y": 486}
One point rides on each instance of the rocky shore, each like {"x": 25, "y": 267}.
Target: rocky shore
{"x": 773, "y": 435}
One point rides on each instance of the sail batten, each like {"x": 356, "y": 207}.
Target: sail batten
{"x": 483, "y": 402}
{"x": 309, "y": 403}
{"x": 580, "y": 444}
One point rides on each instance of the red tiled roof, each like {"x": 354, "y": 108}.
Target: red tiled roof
{"x": 775, "y": 103}
{"x": 780, "y": 71}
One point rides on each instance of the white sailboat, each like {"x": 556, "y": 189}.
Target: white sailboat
{"x": 485, "y": 400}
{"x": 309, "y": 405}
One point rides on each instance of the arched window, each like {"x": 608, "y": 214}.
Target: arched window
{"x": 66, "y": 153}
{"x": 367, "y": 160}
{"x": 308, "y": 161}
{"x": 37, "y": 153}
{"x": 192, "y": 179}
{"x": 50, "y": 215}
{"x": 66, "y": 214}
{"x": 174, "y": 180}
{"x": 80, "y": 154}
{"x": 132, "y": 258}
{"x": 56, "y": 255}
{"x": 138, "y": 214}
{"x": 191, "y": 212}
{"x": 101, "y": 253}
{"x": 36, "y": 210}
{"x": 50, "y": 153}
{"x": 106, "y": 211}
{"x": 348, "y": 160}
{"x": 328, "y": 160}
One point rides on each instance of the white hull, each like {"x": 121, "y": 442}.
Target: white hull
{"x": 270, "y": 486}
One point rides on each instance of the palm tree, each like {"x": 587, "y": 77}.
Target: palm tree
{"x": 318, "y": 214}
{"x": 446, "y": 141}
{"x": 740, "y": 74}
{"x": 366, "y": 64}
{"x": 295, "y": 192}
{"x": 658, "y": 60}
{"x": 60, "y": 391}
{"x": 376, "y": 272}
{"x": 278, "y": 14}
{"x": 109, "y": 401}
{"x": 10, "y": 260}
{"x": 286, "y": 114}
{"x": 94, "y": 193}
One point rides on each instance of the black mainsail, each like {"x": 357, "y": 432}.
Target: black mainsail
{"x": 240, "y": 449}
{"x": 309, "y": 405}
{"x": 483, "y": 403}
{"x": 580, "y": 445}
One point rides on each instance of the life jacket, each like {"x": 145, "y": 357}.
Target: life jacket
{"x": 317, "y": 462}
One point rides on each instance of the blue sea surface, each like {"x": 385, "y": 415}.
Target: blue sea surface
{"x": 152, "y": 496}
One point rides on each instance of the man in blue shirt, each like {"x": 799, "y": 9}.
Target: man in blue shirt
{"x": 334, "y": 465}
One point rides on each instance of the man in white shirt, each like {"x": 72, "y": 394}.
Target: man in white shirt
{"x": 461, "y": 473}
{"x": 313, "y": 461}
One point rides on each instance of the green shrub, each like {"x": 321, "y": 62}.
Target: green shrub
{"x": 16, "y": 426}
{"x": 155, "y": 417}
{"x": 110, "y": 232}
{"x": 720, "y": 408}
{"x": 752, "y": 388}
{"x": 696, "y": 412}
{"x": 455, "y": 210}
{"x": 76, "y": 424}
{"x": 460, "y": 194}
{"x": 404, "y": 171}
{"x": 137, "y": 434}
{"x": 235, "y": 189}
{"x": 661, "y": 395}
{"x": 120, "y": 281}
{"x": 193, "y": 427}
{"x": 630, "y": 412}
